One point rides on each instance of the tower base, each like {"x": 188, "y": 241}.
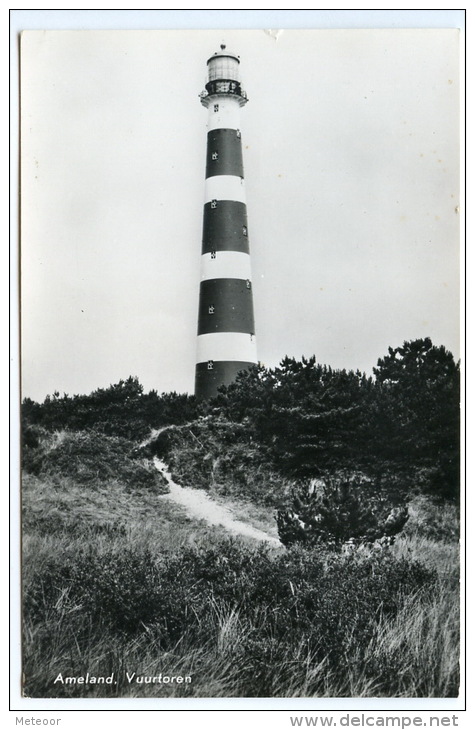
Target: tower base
{"x": 223, "y": 372}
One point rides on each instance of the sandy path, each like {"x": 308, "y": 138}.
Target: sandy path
{"x": 201, "y": 506}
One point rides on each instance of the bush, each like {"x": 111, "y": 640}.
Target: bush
{"x": 340, "y": 510}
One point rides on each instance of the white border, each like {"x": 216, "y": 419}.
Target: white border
{"x": 180, "y": 19}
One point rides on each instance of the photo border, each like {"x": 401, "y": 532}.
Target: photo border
{"x": 162, "y": 20}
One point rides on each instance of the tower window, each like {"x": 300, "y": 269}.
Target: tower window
{"x": 248, "y": 283}
{"x": 216, "y": 107}
{"x": 210, "y": 364}
{"x": 244, "y": 230}
{"x": 214, "y": 203}
{"x": 238, "y": 133}
{"x": 213, "y": 254}
{"x": 211, "y": 309}
{"x": 214, "y": 156}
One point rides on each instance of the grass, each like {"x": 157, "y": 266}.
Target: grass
{"x": 118, "y": 579}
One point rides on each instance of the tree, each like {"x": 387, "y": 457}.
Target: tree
{"x": 415, "y": 364}
{"x": 417, "y": 416}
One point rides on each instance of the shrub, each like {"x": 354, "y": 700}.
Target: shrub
{"x": 340, "y": 510}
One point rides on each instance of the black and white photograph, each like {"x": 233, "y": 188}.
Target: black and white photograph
{"x": 240, "y": 257}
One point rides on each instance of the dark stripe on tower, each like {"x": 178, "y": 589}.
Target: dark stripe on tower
{"x": 223, "y": 372}
{"x": 224, "y": 153}
{"x": 225, "y": 306}
{"x": 225, "y": 227}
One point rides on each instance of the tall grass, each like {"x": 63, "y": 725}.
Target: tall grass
{"x": 422, "y": 645}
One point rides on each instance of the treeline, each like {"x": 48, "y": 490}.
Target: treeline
{"x": 123, "y": 409}
{"x": 306, "y": 420}
{"x": 401, "y": 425}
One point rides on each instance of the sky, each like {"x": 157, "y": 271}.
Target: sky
{"x": 351, "y": 158}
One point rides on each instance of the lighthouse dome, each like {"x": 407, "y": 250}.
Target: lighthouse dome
{"x": 223, "y": 65}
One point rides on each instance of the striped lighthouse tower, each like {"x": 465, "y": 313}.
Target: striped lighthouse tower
{"x": 226, "y": 337}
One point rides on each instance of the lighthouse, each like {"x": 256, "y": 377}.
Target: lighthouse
{"x": 226, "y": 335}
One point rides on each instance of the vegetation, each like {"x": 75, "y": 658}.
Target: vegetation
{"x": 122, "y": 409}
{"x": 293, "y": 613}
{"x": 241, "y": 620}
{"x": 341, "y": 511}
{"x": 362, "y": 476}
{"x": 300, "y": 420}
{"x": 89, "y": 457}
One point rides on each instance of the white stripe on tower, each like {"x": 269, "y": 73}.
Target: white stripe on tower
{"x": 226, "y": 265}
{"x": 227, "y": 346}
{"x": 225, "y": 187}
{"x": 226, "y": 339}
{"x": 227, "y": 116}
